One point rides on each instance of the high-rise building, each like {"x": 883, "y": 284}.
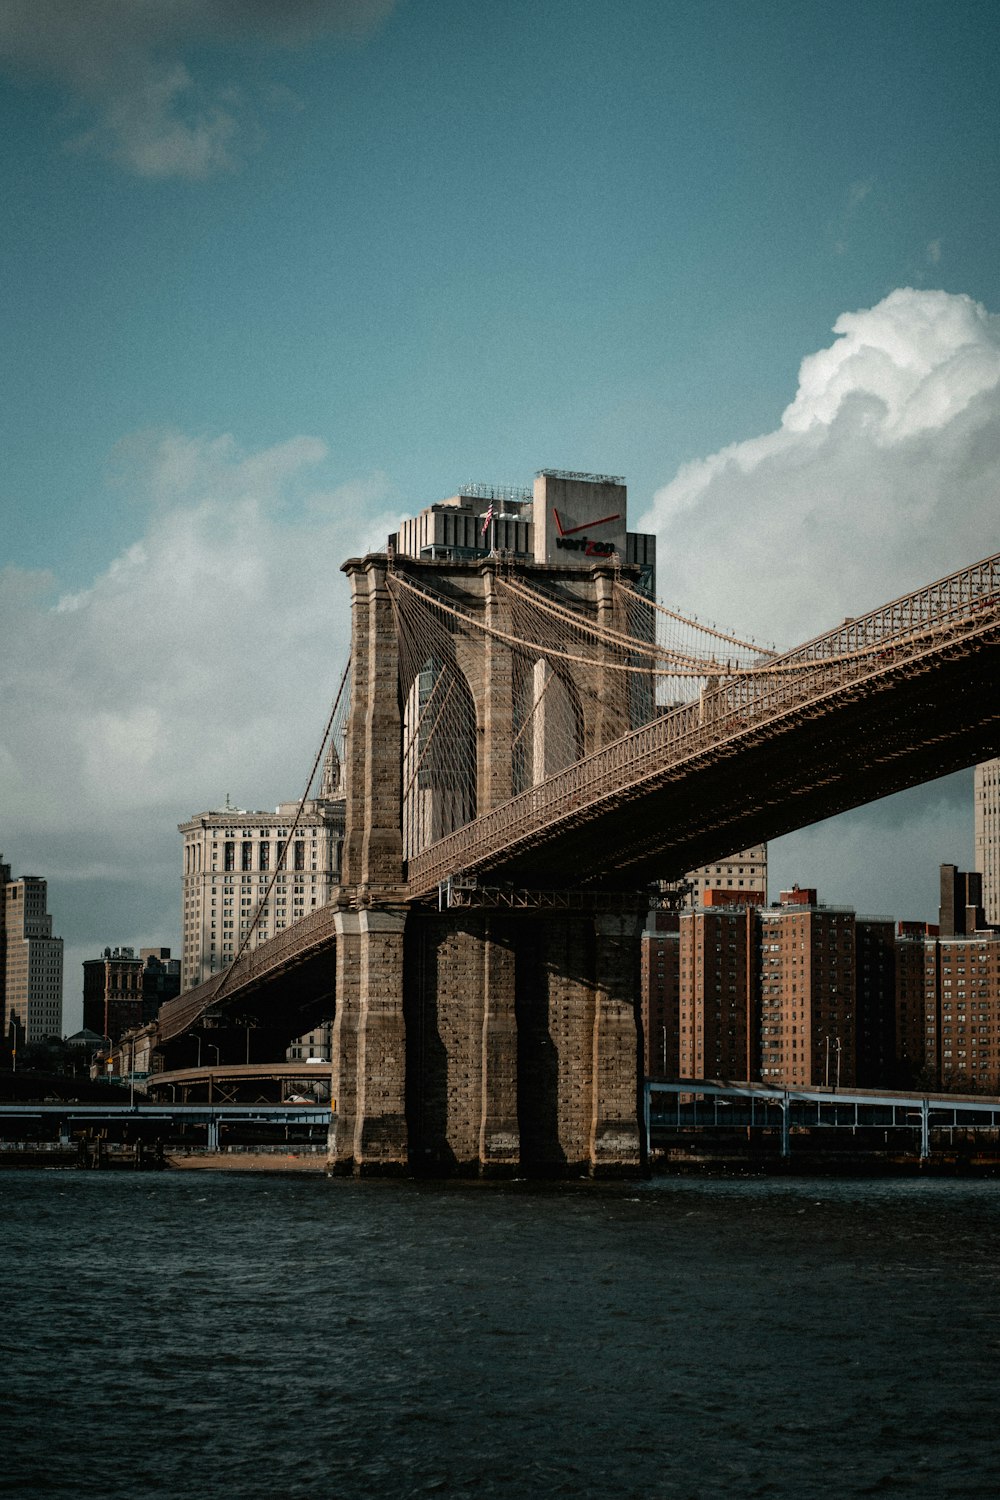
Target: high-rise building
{"x": 808, "y": 1001}
{"x": 565, "y": 517}
{"x": 987, "y": 818}
{"x": 962, "y": 1011}
{"x": 911, "y": 1040}
{"x": 806, "y": 995}
{"x": 233, "y": 861}
{"x": 875, "y": 1000}
{"x": 719, "y": 1024}
{"x": 31, "y": 960}
{"x": 961, "y": 908}
{"x": 660, "y": 980}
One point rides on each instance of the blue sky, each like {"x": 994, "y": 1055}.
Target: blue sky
{"x": 277, "y": 274}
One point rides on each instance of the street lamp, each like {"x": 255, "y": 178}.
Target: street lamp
{"x": 214, "y": 1048}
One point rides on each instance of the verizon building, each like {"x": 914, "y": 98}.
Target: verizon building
{"x": 567, "y": 517}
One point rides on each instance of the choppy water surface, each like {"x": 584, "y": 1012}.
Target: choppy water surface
{"x": 201, "y": 1334}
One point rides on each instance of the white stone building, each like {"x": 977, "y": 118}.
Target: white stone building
{"x": 745, "y": 871}
{"x": 234, "y": 861}
{"x": 987, "y": 805}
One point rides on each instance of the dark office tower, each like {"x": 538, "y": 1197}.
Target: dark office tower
{"x": 915, "y": 946}
{"x": 660, "y": 977}
{"x": 961, "y": 910}
{"x": 875, "y": 989}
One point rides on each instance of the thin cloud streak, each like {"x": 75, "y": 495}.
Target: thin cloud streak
{"x": 123, "y": 66}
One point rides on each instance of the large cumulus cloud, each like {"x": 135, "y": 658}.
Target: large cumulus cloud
{"x": 883, "y": 474}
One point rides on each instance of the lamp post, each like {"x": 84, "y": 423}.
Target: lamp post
{"x": 213, "y": 1048}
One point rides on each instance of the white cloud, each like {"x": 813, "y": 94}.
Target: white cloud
{"x": 882, "y": 475}
{"x": 202, "y": 661}
{"x": 122, "y": 64}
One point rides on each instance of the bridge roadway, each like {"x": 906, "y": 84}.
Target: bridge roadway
{"x": 885, "y": 701}
{"x": 224, "y": 1082}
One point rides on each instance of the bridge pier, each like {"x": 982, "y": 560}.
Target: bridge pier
{"x": 486, "y": 1042}
{"x": 368, "y": 1133}
{"x": 461, "y": 1043}
{"x": 579, "y": 1043}
{"x": 616, "y": 1142}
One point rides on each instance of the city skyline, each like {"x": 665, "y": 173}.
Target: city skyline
{"x": 277, "y": 289}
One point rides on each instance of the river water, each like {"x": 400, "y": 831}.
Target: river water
{"x": 196, "y": 1334}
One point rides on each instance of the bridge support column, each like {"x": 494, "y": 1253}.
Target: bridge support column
{"x": 499, "y": 1132}
{"x": 461, "y": 1043}
{"x": 555, "y": 1042}
{"x": 616, "y": 1143}
{"x": 578, "y": 1044}
{"x": 368, "y": 1133}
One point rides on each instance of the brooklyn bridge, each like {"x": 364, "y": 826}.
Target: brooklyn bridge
{"x": 528, "y": 742}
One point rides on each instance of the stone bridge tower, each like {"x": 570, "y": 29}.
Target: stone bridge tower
{"x": 492, "y": 1031}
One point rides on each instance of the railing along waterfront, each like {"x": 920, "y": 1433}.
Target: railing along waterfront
{"x": 895, "y": 636}
{"x": 695, "y": 1104}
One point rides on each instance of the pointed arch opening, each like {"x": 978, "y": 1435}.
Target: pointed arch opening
{"x": 439, "y": 755}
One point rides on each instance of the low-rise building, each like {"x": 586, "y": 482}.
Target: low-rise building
{"x": 122, "y": 991}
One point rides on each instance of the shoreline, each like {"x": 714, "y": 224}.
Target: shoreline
{"x": 244, "y": 1161}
